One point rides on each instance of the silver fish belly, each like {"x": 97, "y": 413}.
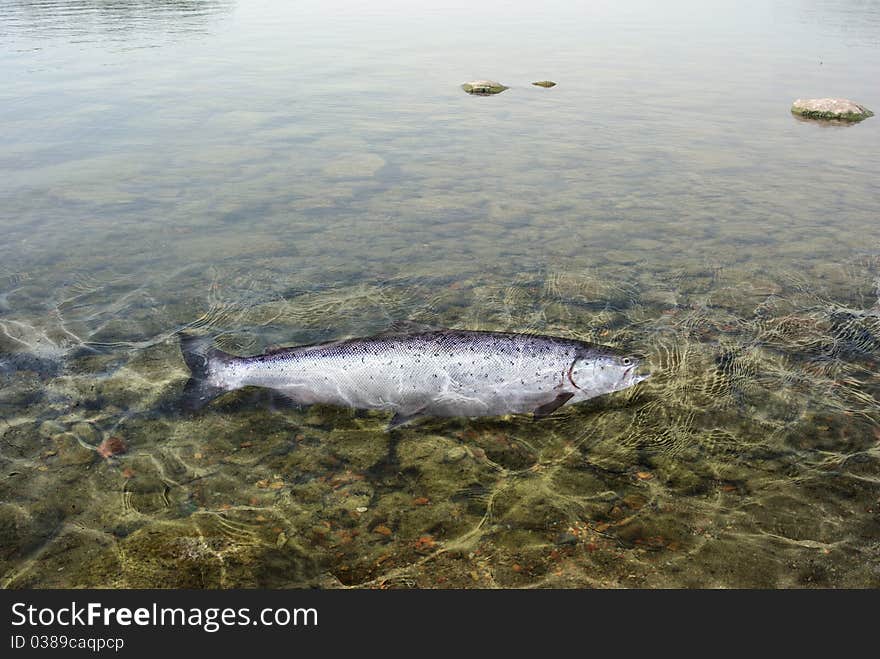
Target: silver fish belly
{"x": 425, "y": 373}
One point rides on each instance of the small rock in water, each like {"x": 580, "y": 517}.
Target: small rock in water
{"x": 544, "y": 83}
{"x": 455, "y": 454}
{"x": 566, "y": 539}
{"x": 839, "y": 109}
{"x": 483, "y": 87}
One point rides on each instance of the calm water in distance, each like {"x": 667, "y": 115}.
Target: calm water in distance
{"x": 274, "y": 173}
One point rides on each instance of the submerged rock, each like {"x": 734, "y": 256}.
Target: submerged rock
{"x": 354, "y": 165}
{"x": 483, "y": 87}
{"x": 111, "y": 446}
{"x": 839, "y": 109}
{"x": 544, "y": 83}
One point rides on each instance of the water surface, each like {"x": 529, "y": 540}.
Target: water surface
{"x": 274, "y": 173}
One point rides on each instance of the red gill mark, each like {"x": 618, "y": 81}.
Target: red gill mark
{"x": 571, "y": 377}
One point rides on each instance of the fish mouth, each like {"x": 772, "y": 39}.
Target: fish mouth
{"x": 636, "y": 376}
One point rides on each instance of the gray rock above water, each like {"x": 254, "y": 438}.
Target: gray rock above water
{"x": 483, "y": 87}
{"x": 839, "y": 109}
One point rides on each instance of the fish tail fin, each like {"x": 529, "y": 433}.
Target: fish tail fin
{"x": 199, "y": 355}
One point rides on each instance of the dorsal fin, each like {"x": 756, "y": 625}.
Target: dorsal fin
{"x": 410, "y": 327}
{"x": 274, "y": 350}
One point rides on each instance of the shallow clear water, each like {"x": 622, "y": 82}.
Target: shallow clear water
{"x": 275, "y": 173}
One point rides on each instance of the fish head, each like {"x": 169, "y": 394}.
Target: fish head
{"x": 598, "y": 373}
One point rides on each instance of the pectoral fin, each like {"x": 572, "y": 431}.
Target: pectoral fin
{"x": 402, "y": 419}
{"x": 548, "y": 408}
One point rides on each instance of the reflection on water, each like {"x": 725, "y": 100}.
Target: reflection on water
{"x": 106, "y": 21}
{"x": 297, "y": 174}
{"x": 844, "y": 23}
